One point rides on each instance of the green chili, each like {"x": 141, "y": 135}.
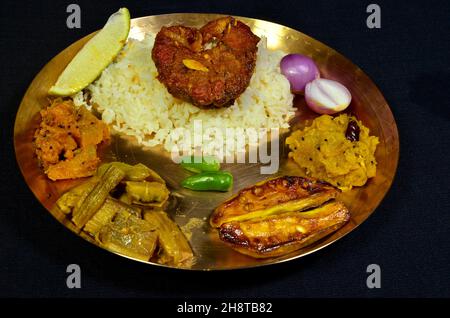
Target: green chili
{"x": 200, "y": 164}
{"x": 209, "y": 181}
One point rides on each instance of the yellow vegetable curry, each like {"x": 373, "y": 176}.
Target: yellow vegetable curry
{"x": 326, "y": 151}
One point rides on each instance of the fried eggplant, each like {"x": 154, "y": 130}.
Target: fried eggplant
{"x": 273, "y": 196}
{"x": 283, "y": 233}
{"x": 278, "y": 216}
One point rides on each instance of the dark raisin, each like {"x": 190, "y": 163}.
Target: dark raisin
{"x": 303, "y": 139}
{"x": 352, "y": 132}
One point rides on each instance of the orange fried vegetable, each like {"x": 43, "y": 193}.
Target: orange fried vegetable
{"x": 66, "y": 141}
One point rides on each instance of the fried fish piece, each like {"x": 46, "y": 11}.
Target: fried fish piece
{"x": 280, "y": 234}
{"x": 208, "y": 67}
{"x": 273, "y": 196}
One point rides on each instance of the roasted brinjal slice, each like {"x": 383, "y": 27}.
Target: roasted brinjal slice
{"x": 280, "y": 234}
{"x": 278, "y": 216}
{"x": 283, "y": 194}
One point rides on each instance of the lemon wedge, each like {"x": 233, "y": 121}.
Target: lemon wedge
{"x": 95, "y": 55}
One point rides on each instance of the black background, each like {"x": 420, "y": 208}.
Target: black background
{"x": 408, "y": 236}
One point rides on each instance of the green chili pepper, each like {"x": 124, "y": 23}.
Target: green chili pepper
{"x": 200, "y": 164}
{"x": 209, "y": 181}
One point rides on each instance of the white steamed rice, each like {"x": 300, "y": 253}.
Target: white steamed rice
{"x": 135, "y": 103}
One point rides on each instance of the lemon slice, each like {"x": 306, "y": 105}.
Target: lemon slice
{"x": 95, "y": 55}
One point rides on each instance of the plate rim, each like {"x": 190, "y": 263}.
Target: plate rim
{"x": 85, "y": 38}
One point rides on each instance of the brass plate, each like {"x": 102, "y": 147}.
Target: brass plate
{"x": 211, "y": 254}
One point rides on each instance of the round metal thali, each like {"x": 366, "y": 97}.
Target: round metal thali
{"x": 368, "y": 105}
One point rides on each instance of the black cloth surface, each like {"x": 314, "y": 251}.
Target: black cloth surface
{"x": 408, "y": 235}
